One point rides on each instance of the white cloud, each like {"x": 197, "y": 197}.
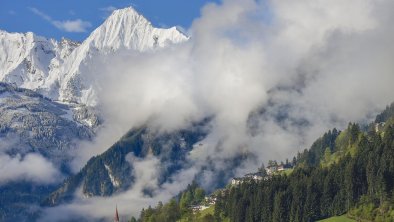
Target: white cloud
{"x": 306, "y": 63}
{"x": 31, "y": 167}
{"x": 25, "y": 166}
{"x": 76, "y": 25}
{"x": 72, "y": 25}
{"x": 310, "y": 66}
{"x": 129, "y": 202}
{"x": 108, "y": 9}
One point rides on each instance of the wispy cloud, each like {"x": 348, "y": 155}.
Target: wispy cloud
{"x": 29, "y": 167}
{"x": 76, "y": 25}
{"x": 32, "y": 167}
{"x": 107, "y": 11}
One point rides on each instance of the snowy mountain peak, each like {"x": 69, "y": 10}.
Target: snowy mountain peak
{"x": 124, "y": 29}
{"x": 25, "y": 58}
{"x": 130, "y": 11}
{"x": 129, "y": 29}
{"x": 58, "y": 70}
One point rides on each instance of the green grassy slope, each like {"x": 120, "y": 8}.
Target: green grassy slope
{"x": 342, "y": 218}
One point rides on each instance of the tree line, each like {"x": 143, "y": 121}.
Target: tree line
{"x": 343, "y": 172}
{"x": 356, "y": 178}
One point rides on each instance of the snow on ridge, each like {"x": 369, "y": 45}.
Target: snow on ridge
{"x": 129, "y": 29}
{"x": 114, "y": 181}
{"x": 57, "y": 69}
{"x": 28, "y": 60}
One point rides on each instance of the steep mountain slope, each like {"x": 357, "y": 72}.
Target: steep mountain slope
{"x": 349, "y": 173}
{"x": 112, "y": 171}
{"x": 39, "y": 124}
{"x": 20, "y": 200}
{"x": 58, "y": 69}
{"x": 29, "y": 60}
{"x": 359, "y": 184}
{"x": 386, "y": 114}
{"x": 31, "y": 124}
{"x": 35, "y": 74}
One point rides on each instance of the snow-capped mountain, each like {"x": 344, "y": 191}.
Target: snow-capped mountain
{"x": 47, "y": 98}
{"x": 37, "y": 124}
{"x": 58, "y": 69}
{"x": 27, "y": 60}
{"x": 111, "y": 172}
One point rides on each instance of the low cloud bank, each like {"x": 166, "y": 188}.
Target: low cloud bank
{"x": 25, "y": 166}
{"x": 274, "y": 75}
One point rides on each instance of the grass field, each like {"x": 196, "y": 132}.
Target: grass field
{"x": 210, "y": 210}
{"x": 200, "y": 215}
{"x": 342, "y": 218}
{"x": 286, "y": 172}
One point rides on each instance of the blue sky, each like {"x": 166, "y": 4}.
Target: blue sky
{"x": 75, "y": 19}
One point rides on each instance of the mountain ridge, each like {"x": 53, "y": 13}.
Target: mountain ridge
{"x": 33, "y": 125}
{"x": 327, "y": 180}
{"x": 112, "y": 171}
{"x": 57, "y": 69}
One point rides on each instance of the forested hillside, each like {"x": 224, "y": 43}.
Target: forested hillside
{"x": 178, "y": 208}
{"x": 111, "y": 172}
{"x": 349, "y": 172}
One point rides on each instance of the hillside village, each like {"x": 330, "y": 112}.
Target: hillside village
{"x": 318, "y": 167}
{"x": 264, "y": 173}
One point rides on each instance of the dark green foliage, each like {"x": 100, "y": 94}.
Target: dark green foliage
{"x": 208, "y": 218}
{"x": 386, "y": 114}
{"x": 316, "y": 153}
{"x": 193, "y": 195}
{"x": 343, "y": 172}
{"x": 359, "y": 182}
{"x": 16, "y": 200}
{"x": 170, "y": 148}
{"x": 133, "y": 219}
{"x": 176, "y": 209}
